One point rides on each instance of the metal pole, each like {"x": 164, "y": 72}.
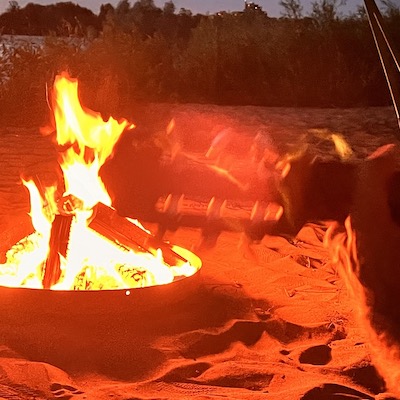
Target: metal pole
{"x": 387, "y": 54}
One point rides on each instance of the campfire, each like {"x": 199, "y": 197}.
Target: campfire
{"x": 79, "y": 242}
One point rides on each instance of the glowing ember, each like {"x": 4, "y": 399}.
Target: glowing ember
{"x": 341, "y": 146}
{"x": 64, "y": 253}
{"x": 90, "y": 142}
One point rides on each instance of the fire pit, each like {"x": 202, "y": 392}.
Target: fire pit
{"x": 77, "y": 251}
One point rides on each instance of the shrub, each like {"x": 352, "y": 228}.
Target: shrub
{"x": 229, "y": 58}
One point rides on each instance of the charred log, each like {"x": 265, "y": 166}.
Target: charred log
{"x": 58, "y": 247}
{"x": 120, "y": 230}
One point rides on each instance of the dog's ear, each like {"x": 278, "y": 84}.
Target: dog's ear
{"x": 313, "y": 189}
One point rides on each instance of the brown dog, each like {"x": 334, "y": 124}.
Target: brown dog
{"x": 369, "y": 258}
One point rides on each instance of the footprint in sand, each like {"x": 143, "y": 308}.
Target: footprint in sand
{"x": 247, "y": 332}
{"x": 367, "y": 376}
{"x": 248, "y": 377}
{"x": 64, "y": 392}
{"x": 13, "y": 391}
{"x": 330, "y": 391}
{"x": 185, "y": 373}
{"x": 316, "y": 355}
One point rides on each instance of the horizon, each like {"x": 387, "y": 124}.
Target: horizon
{"x": 271, "y": 7}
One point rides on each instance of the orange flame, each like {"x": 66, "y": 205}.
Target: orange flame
{"x": 92, "y": 262}
{"x": 342, "y": 147}
{"x": 90, "y": 139}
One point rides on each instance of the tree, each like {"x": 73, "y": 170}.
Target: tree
{"x": 146, "y": 17}
{"x": 123, "y": 7}
{"x": 123, "y": 15}
{"x": 185, "y": 12}
{"x": 144, "y": 5}
{"x": 392, "y": 9}
{"x": 63, "y": 18}
{"x": 326, "y": 11}
{"x": 13, "y": 6}
{"x": 291, "y": 9}
{"x": 253, "y": 8}
{"x": 169, "y": 8}
{"x": 106, "y": 12}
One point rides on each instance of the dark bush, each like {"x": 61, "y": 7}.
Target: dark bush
{"x": 147, "y": 54}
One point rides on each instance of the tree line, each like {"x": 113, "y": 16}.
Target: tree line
{"x": 70, "y": 19}
{"x": 142, "y": 53}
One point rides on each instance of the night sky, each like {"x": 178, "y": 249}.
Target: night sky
{"x": 199, "y": 6}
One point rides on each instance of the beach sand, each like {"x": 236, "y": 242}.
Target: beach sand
{"x": 276, "y": 323}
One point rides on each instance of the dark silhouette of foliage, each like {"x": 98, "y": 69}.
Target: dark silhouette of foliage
{"x": 253, "y": 8}
{"x": 64, "y": 19}
{"x": 141, "y": 53}
{"x": 291, "y": 8}
{"x": 13, "y": 6}
{"x": 169, "y": 8}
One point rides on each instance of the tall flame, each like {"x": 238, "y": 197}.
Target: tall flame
{"x": 90, "y": 142}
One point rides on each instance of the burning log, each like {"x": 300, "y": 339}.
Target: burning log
{"x": 59, "y": 239}
{"x": 123, "y": 231}
{"x": 58, "y": 246}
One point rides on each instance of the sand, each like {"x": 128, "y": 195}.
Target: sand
{"x": 276, "y": 322}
